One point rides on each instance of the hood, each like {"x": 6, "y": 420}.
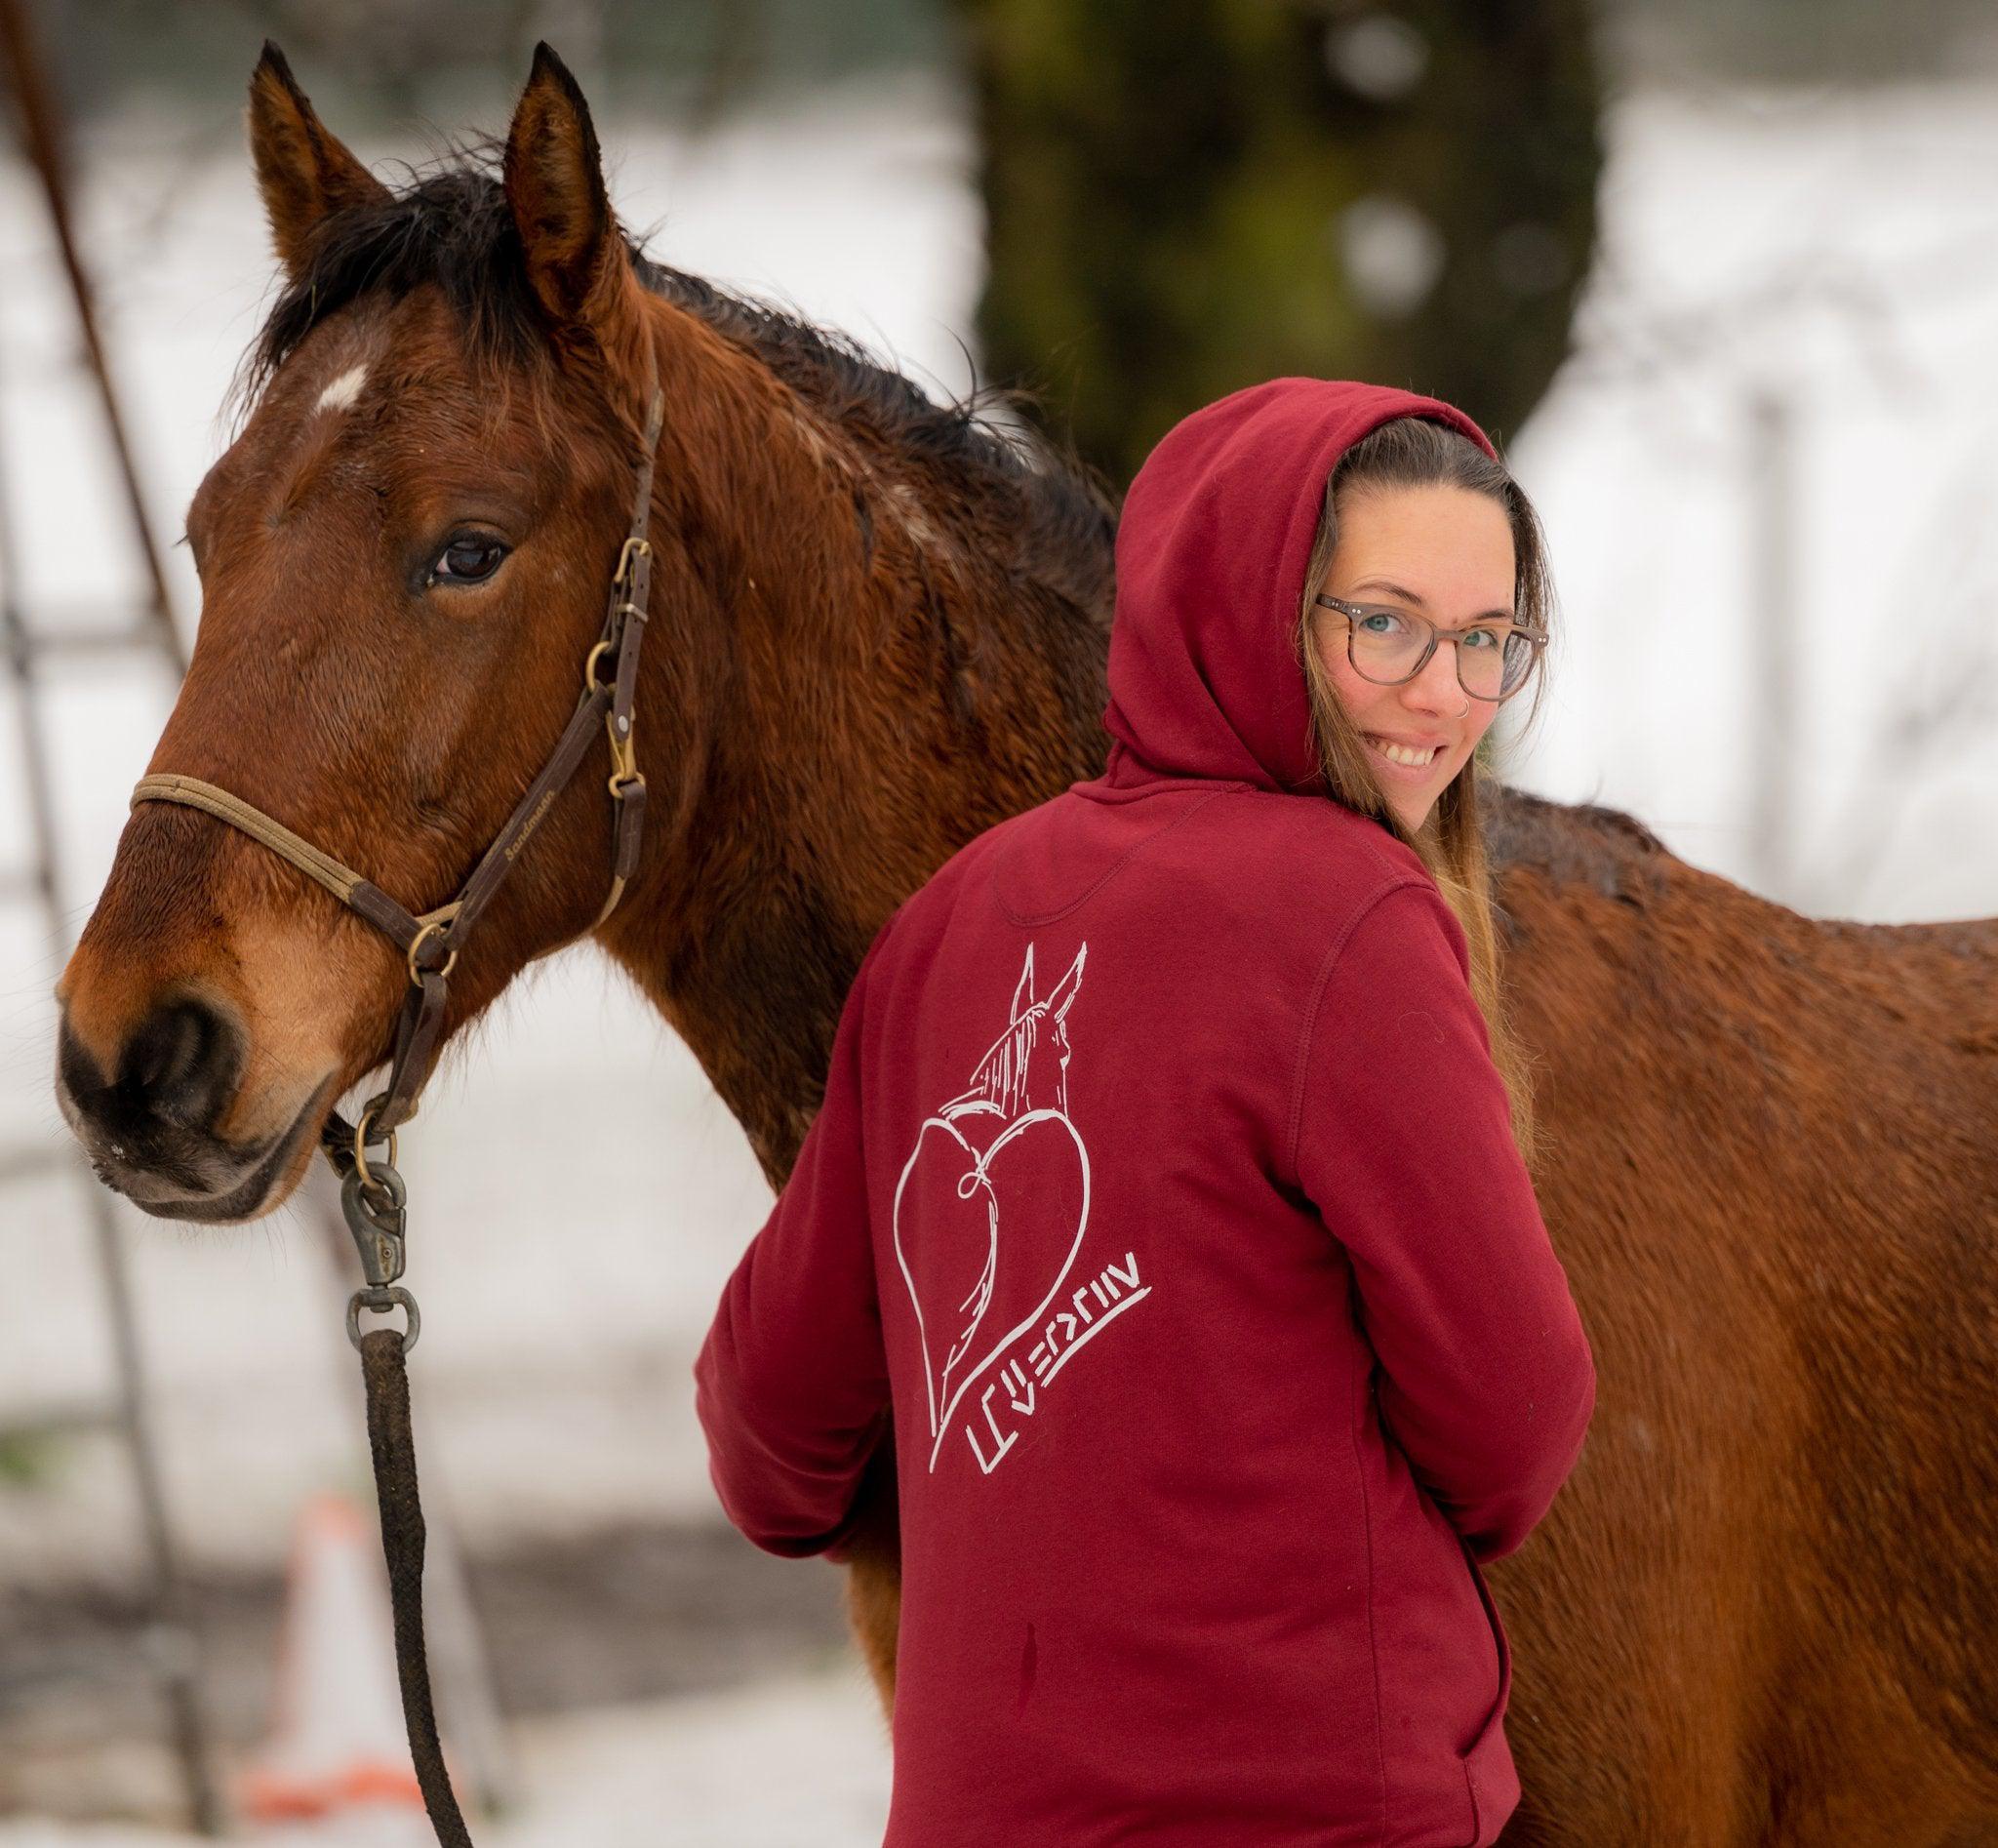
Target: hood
{"x": 1211, "y": 547}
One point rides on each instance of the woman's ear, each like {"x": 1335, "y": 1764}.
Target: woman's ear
{"x": 304, "y": 174}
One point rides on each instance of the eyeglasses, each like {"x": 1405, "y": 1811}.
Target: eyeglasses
{"x": 1387, "y": 646}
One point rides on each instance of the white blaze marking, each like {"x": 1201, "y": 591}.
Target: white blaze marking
{"x": 343, "y": 390}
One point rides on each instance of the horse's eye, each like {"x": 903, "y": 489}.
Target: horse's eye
{"x": 470, "y": 558}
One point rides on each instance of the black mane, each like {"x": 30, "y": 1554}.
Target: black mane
{"x": 451, "y": 227}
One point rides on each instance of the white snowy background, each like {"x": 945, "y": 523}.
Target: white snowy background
{"x": 580, "y": 1193}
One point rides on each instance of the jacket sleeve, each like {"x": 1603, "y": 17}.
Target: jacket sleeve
{"x": 1404, "y": 1142}
{"x": 792, "y": 1383}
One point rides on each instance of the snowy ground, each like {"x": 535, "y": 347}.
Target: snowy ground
{"x": 693, "y": 1772}
{"x": 581, "y": 1193}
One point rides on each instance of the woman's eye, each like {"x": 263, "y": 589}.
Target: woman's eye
{"x": 1391, "y": 624}
{"x": 468, "y": 560}
{"x": 1483, "y": 638}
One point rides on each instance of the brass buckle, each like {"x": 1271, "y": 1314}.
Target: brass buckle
{"x": 624, "y": 749}
{"x": 439, "y": 926}
{"x": 634, "y": 547}
{"x": 623, "y": 756}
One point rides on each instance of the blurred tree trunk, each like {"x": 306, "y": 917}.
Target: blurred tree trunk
{"x": 1187, "y": 196}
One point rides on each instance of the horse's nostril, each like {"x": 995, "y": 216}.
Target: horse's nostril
{"x": 180, "y": 1065}
{"x": 163, "y": 1048}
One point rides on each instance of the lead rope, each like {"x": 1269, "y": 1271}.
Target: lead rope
{"x": 393, "y": 1449}
{"x": 374, "y": 1196}
{"x": 394, "y": 1454}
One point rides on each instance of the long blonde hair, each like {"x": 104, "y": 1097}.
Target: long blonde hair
{"x": 1419, "y": 451}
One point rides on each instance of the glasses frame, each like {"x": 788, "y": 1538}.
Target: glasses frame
{"x": 1353, "y": 612}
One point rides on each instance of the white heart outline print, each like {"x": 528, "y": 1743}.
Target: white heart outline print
{"x": 1002, "y": 1079}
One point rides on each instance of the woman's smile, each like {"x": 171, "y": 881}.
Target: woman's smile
{"x": 1412, "y": 764}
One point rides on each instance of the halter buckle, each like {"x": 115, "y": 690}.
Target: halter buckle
{"x": 634, "y": 549}
{"x": 623, "y": 755}
{"x": 437, "y": 926}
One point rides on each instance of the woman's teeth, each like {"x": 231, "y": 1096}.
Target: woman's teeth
{"x": 1400, "y": 753}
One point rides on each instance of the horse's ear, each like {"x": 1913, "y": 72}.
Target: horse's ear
{"x": 555, "y": 172}
{"x": 303, "y": 173}
{"x": 1062, "y": 996}
{"x": 1023, "y": 993}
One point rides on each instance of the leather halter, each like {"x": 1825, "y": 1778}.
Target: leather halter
{"x": 430, "y": 941}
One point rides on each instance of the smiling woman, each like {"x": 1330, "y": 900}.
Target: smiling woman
{"x": 1209, "y": 1277}
{"x": 1428, "y": 604}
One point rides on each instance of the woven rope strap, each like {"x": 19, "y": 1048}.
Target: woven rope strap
{"x": 339, "y": 879}
{"x": 351, "y": 888}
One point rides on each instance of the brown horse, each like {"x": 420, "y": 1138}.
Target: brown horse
{"x": 1764, "y": 1609}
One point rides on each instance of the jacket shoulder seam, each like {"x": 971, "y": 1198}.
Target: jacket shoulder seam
{"x": 1033, "y": 920}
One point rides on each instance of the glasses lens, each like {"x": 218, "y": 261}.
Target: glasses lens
{"x": 1483, "y": 657}
{"x": 1385, "y": 645}
{"x": 1493, "y": 662}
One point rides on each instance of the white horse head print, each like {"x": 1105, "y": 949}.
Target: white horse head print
{"x": 993, "y": 1200}
{"x": 1026, "y": 1068}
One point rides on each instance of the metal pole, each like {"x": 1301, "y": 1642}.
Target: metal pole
{"x": 170, "y": 1639}
{"x": 42, "y": 140}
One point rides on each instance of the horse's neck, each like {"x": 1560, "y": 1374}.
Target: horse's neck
{"x": 746, "y": 936}
{"x": 758, "y": 1013}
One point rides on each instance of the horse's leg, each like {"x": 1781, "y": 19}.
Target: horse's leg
{"x": 873, "y": 1555}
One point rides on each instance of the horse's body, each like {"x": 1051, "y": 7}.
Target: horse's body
{"x": 1765, "y": 1608}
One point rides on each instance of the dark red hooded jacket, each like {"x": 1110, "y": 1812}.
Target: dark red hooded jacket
{"x": 1164, "y": 1194}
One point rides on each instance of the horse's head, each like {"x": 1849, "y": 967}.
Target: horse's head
{"x": 404, "y": 557}
{"x": 1026, "y": 1068}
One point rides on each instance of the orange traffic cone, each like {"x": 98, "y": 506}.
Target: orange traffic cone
{"x": 337, "y": 1746}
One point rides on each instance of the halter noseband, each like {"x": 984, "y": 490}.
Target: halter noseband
{"x": 430, "y": 941}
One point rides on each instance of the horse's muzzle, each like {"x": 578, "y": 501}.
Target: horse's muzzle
{"x": 149, "y": 1127}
